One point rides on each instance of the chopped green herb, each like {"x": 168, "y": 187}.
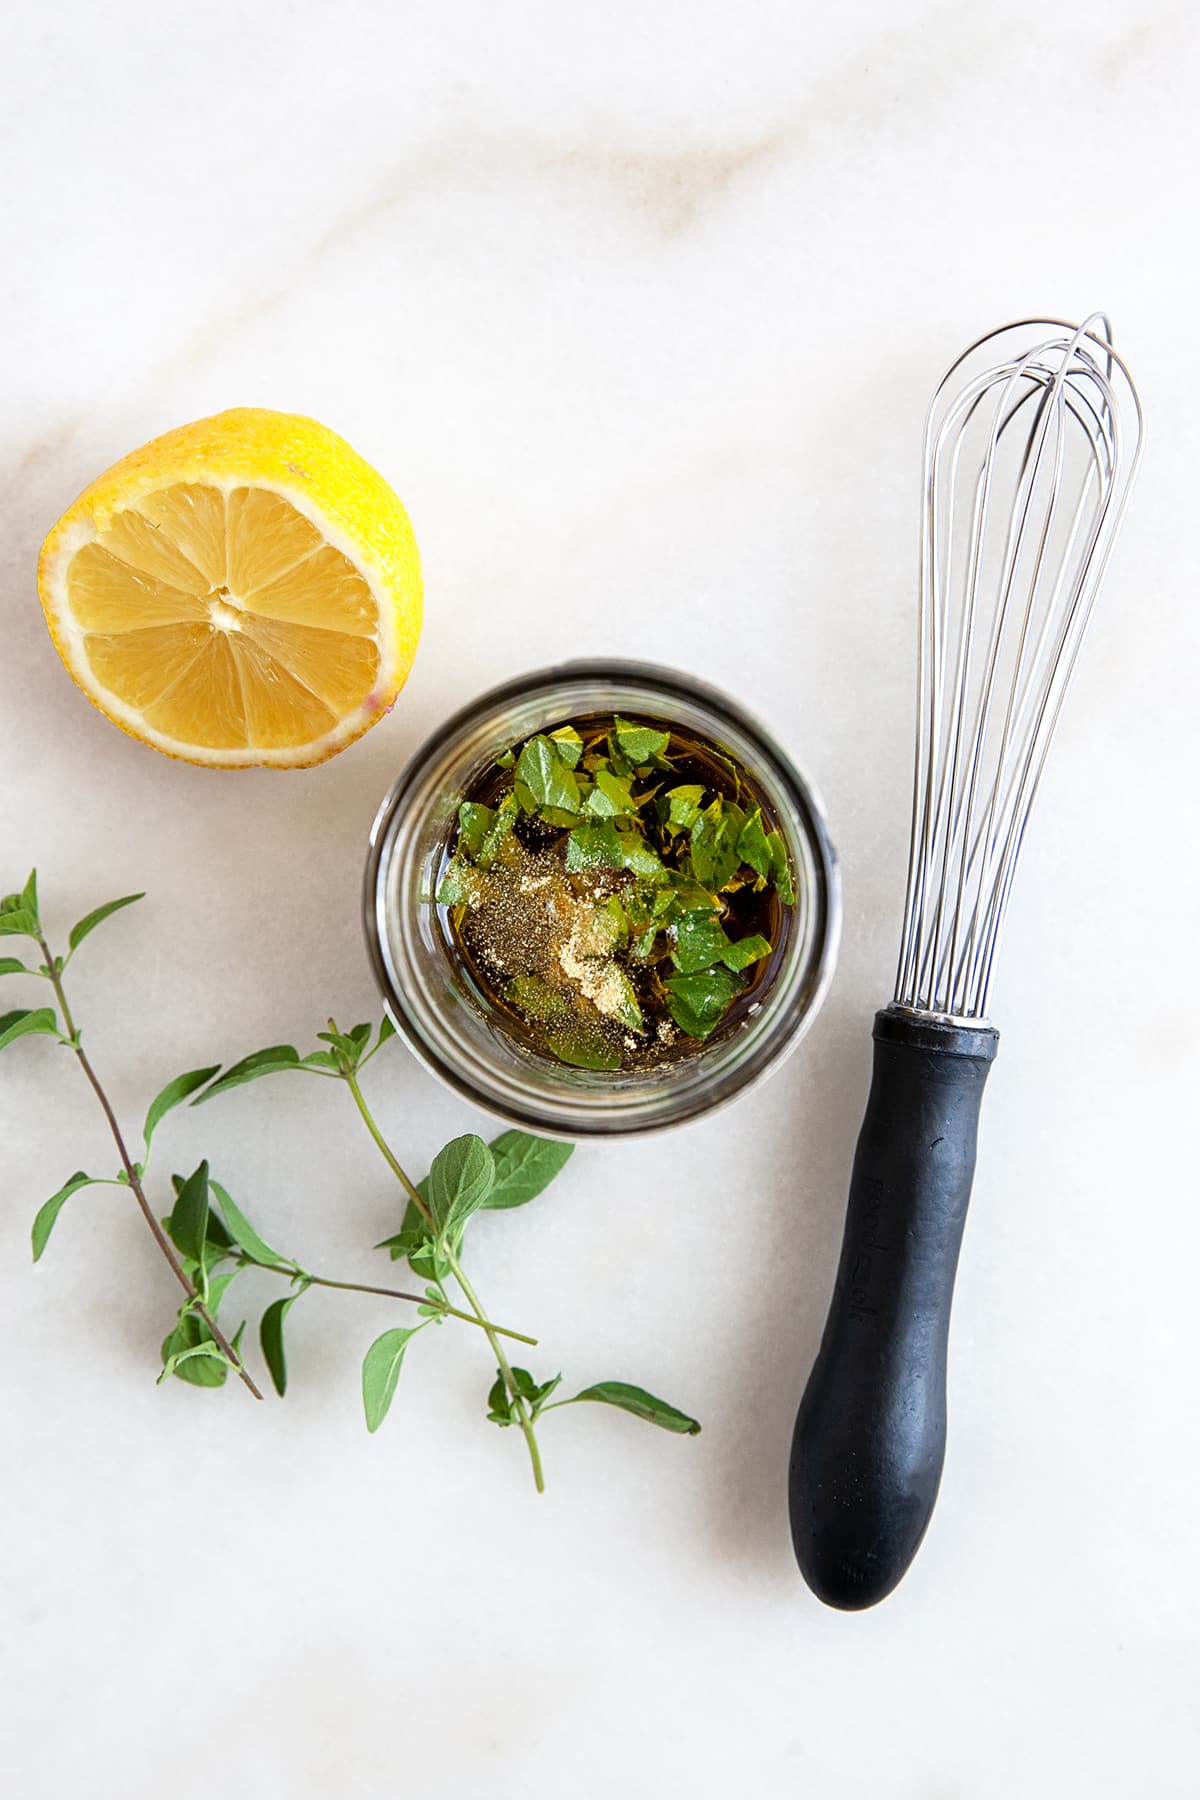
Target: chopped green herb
{"x": 753, "y": 846}
{"x": 698, "y": 1001}
{"x": 639, "y": 743}
{"x": 685, "y": 805}
{"x": 474, "y": 823}
{"x": 747, "y": 950}
{"x": 607, "y": 912}
{"x": 569, "y": 745}
{"x": 699, "y": 942}
{"x": 501, "y": 828}
{"x": 548, "y": 775}
{"x": 583, "y": 1046}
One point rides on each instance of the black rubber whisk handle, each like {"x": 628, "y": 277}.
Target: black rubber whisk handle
{"x": 870, "y": 1435}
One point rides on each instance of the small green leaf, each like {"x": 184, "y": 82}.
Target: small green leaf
{"x": 207, "y": 1350}
{"x": 499, "y": 1402}
{"x": 455, "y": 886}
{"x": 216, "y": 1238}
{"x": 19, "y": 923}
{"x": 218, "y": 1287}
{"x": 543, "y": 1393}
{"x": 174, "y": 1094}
{"x": 524, "y": 1167}
{"x": 685, "y": 805}
{"x": 188, "y": 1224}
{"x": 243, "y": 1233}
{"x": 714, "y": 844}
{"x": 595, "y": 847}
{"x": 639, "y": 743}
{"x": 642, "y": 1405}
{"x": 506, "y": 818}
{"x": 90, "y": 921}
{"x": 12, "y": 965}
{"x": 583, "y": 1047}
{"x": 698, "y": 1002}
{"x": 320, "y": 1059}
{"x": 637, "y": 856}
{"x": 381, "y": 1371}
{"x": 474, "y": 823}
{"x": 505, "y": 760}
{"x": 386, "y": 1030}
{"x": 524, "y": 1383}
{"x": 609, "y": 926}
{"x": 263, "y": 1062}
{"x": 781, "y": 869}
{"x": 699, "y": 942}
{"x": 26, "y": 1023}
{"x": 205, "y": 1371}
{"x": 548, "y": 777}
{"x": 569, "y": 745}
{"x": 44, "y": 1224}
{"x": 19, "y": 912}
{"x": 612, "y": 797}
{"x": 754, "y": 847}
{"x": 414, "y": 1242}
{"x": 624, "y": 1003}
{"x": 745, "y": 951}
{"x": 535, "y": 997}
{"x": 270, "y": 1337}
{"x": 459, "y": 1180}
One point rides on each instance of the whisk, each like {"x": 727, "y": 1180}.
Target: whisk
{"x": 1032, "y": 444}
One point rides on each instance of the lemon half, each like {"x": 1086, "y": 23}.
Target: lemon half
{"x": 242, "y": 592}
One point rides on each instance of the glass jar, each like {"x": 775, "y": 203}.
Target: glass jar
{"x": 449, "y": 1024}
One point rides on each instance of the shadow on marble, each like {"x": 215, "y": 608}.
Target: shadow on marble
{"x": 768, "y": 1361}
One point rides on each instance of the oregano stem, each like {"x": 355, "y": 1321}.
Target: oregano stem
{"x": 456, "y": 1269}
{"x": 164, "y": 1243}
{"x": 365, "y": 1287}
{"x": 524, "y": 1417}
{"x": 384, "y": 1147}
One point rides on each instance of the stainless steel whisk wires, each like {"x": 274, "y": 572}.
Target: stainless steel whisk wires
{"x": 1028, "y": 467}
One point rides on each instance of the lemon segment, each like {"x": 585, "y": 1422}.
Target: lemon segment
{"x": 244, "y": 591}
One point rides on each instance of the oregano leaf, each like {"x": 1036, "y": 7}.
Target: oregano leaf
{"x": 272, "y": 1061}
{"x": 523, "y": 1166}
{"x": 89, "y": 922}
{"x": 174, "y": 1094}
{"x": 242, "y": 1231}
{"x": 270, "y": 1337}
{"x": 188, "y": 1224}
{"x": 642, "y": 1405}
{"x": 460, "y": 1178}
{"x": 549, "y": 779}
{"x": 381, "y": 1372}
{"x": 27, "y": 1022}
{"x": 47, "y": 1215}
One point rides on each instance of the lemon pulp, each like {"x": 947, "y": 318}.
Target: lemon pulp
{"x": 224, "y": 618}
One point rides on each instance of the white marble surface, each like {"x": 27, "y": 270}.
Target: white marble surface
{"x": 638, "y": 307}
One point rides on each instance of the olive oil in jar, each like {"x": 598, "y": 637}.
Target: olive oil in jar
{"x": 617, "y": 892}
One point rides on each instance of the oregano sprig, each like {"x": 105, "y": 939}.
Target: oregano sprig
{"x": 207, "y": 1240}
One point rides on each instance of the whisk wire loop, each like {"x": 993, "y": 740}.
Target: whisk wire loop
{"x": 1029, "y": 461}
